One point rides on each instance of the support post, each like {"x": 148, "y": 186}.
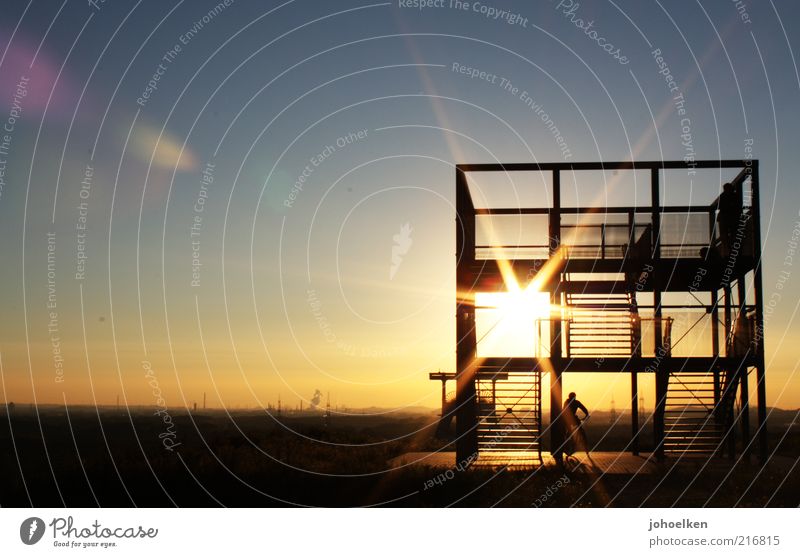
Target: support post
{"x": 715, "y": 344}
{"x": 466, "y": 347}
{"x": 662, "y": 371}
{"x": 554, "y": 231}
{"x": 636, "y": 349}
{"x": 742, "y": 369}
{"x": 714, "y": 312}
{"x": 634, "y": 413}
{"x": 728, "y": 387}
{"x": 755, "y": 204}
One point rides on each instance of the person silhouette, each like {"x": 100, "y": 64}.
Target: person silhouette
{"x": 729, "y": 205}
{"x": 573, "y": 422}
{"x": 571, "y": 435}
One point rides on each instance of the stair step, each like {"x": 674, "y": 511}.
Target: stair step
{"x": 692, "y": 446}
{"x": 693, "y": 439}
{"x": 616, "y": 351}
{"x": 694, "y": 426}
{"x": 689, "y": 419}
{"x": 598, "y": 320}
{"x": 508, "y": 444}
{"x": 700, "y": 433}
{"x": 518, "y": 430}
{"x": 699, "y": 393}
{"x": 527, "y": 452}
{"x": 692, "y": 433}
{"x": 709, "y": 428}
{"x": 615, "y": 346}
{"x": 700, "y": 446}
{"x": 601, "y": 333}
{"x": 687, "y": 444}
{"x": 615, "y": 343}
{"x": 499, "y": 435}
{"x": 684, "y": 453}
{"x": 504, "y": 419}
{"x": 594, "y": 353}
{"x": 522, "y": 419}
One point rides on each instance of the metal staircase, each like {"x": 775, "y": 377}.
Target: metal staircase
{"x": 602, "y": 325}
{"x": 699, "y": 410}
{"x": 694, "y": 425}
{"x": 510, "y": 417}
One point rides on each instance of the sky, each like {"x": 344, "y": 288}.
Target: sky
{"x": 256, "y": 199}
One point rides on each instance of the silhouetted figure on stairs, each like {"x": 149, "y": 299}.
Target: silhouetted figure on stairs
{"x": 729, "y": 205}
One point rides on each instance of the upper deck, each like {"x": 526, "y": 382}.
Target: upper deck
{"x": 604, "y": 218}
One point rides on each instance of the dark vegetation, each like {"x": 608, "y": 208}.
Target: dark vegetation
{"x": 111, "y": 458}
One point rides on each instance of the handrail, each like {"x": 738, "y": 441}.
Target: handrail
{"x": 605, "y": 165}
{"x": 645, "y": 210}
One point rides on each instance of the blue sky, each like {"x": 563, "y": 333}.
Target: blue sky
{"x": 260, "y": 90}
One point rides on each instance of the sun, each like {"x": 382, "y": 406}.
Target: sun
{"x": 512, "y": 324}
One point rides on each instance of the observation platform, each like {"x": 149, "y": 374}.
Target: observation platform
{"x": 622, "y": 267}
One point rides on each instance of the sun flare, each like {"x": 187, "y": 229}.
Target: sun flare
{"x": 513, "y": 324}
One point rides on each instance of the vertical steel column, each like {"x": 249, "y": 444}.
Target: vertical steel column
{"x": 714, "y": 312}
{"x": 634, "y": 413}
{"x": 730, "y": 374}
{"x": 715, "y": 344}
{"x": 744, "y": 394}
{"x": 662, "y": 369}
{"x": 636, "y": 350}
{"x": 556, "y": 364}
{"x": 466, "y": 340}
{"x": 729, "y": 385}
{"x": 716, "y": 353}
{"x": 755, "y": 207}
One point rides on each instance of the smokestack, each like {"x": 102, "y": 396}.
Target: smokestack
{"x": 613, "y": 410}
{"x": 204, "y": 400}
{"x": 316, "y": 399}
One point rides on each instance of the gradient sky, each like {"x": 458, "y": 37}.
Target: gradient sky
{"x": 299, "y": 293}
